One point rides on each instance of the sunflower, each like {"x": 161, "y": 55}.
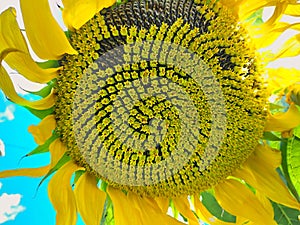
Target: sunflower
{"x": 150, "y": 105}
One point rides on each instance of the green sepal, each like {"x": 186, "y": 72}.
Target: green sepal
{"x": 296, "y": 98}
{"x": 45, "y": 91}
{"x": 270, "y": 136}
{"x": 43, "y": 148}
{"x": 63, "y": 160}
{"x": 108, "y": 212}
{"x": 41, "y": 114}
{"x": 48, "y": 64}
{"x": 293, "y": 162}
{"x": 210, "y": 202}
{"x": 68, "y": 34}
{"x": 276, "y": 107}
{"x": 103, "y": 185}
{"x": 77, "y": 176}
{"x": 174, "y": 210}
{"x": 285, "y": 215}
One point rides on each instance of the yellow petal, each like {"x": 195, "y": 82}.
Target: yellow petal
{"x": 7, "y": 87}
{"x": 43, "y": 131}
{"x": 24, "y": 64}
{"x": 20, "y": 60}
{"x": 183, "y": 206}
{"x": 46, "y": 38}
{"x": 265, "y": 202}
{"x": 290, "y": 48}
{"x": 124, "y": 209}
{"x": 89, "y": 199}
{"x": 163, "y": 203}
{"x": 247, "y": 7}
{"x": 205, "y": 215}
{"x": 138, "y": 210}
{"x": 28, "y": 172}
{"x": 282, "y": 77}
{"x": 265, "y": 35}
{"x": 232, "y": 5}
{"x": 151, "y": 213}
{"x": 10, "y": 34}
{"x": 284, "y": 121}
{"x": 259, "y": 171}
{"x": 77, "y": 13}
{"x": 57, "y": 150}
{"x": 61, "y": 194}
{"x": 238, "y": 200}
{"x": 293, "y": 10}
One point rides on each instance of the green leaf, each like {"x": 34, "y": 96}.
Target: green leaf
{"x": 296, "y": 132}
{"x": 214, "y": 208}
{"x": 289, "y": 150}
{"x": 48, "y": 64}
{"x": 293, "y": 162}
{"x": 43, "y": 148}
{"x": 285, "y": 215}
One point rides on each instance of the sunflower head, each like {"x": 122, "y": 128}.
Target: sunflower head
{"x": 158, "y": 102}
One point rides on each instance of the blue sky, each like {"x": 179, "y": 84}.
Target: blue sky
{"x": 34, "y": 206}
{"x": 18, "y": 142}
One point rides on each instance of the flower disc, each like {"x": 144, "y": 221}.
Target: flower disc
{"x": 164, "y": 97}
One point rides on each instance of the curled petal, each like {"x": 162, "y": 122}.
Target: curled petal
{"x": 27, "y": 172}
{"x": 8, "y": 88}
{"x": 238, "y": 200}
{"x": 282, "y": 77}
{"x": 43, "y": 130}
{"x": 163, "y": 203}
{"x": 205, "y": 215}
{"x": 46, "y": 38}
{"x": 141, "y": 211}
{"x": 61, "y": 195}
{"x": 290, "y": 48}
{"x": 259, "y": 171}
{"x": 266, "y": 34}
{"x": 77, "y": 13}
{"x": 284, "y": 121}
{"x": 89, "y": 196}
{"x": 57, "y": 150}
{"x": 12, "y": 38}
{"x": 183, "y": 206}
{"x": 293, "y": 10}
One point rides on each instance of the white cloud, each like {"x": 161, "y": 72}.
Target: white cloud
{"x": 9, "y": 206}
{"x": 8, "y": 114}
{"x": 2, "y": 152}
